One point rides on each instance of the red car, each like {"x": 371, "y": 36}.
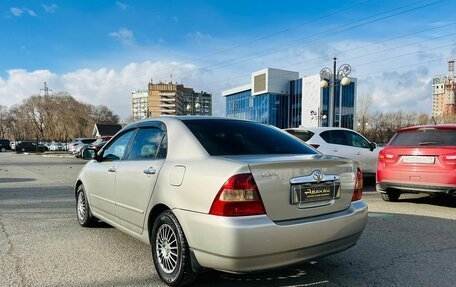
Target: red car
{"x": 418, "y": 159}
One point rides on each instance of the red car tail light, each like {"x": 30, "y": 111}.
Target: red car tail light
{"x": 387, "y": 157}
{"x": 239, "y": 196}
{"x": 449, "y": 159}
{"x": 358, "y": 192}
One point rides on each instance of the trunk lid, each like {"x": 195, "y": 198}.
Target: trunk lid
{"x": 277, "y": 175}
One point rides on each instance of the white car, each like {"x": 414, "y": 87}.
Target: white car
{"x": 341, "y": 142}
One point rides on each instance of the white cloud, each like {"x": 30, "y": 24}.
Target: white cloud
{"x": 111, "y": 87}
{"x": 121, "y": 5}
{"x": 124, "y": 35}
{"x": 19, "y": 11}
{"x": 50, "y": 8}
{"x": 30, "y": 12}
{"x": 16, "y": 11}
{"x": 198, "y": 36}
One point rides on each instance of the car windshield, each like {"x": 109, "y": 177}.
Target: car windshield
{"x": 425, "y": 137}
{"x": 232, "y": 137}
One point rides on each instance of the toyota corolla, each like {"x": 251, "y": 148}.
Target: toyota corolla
{"x": 225, "y": 194}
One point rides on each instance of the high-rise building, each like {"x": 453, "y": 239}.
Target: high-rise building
{"x": 281, "y": 98}
{"x": 175, "y": 99}
{"x": 443, "y": 93}
{"x": 198, "y": 103}
{"x": 139, "y": 104}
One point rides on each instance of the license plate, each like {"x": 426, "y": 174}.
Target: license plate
{"x": 301, "y": 193}
{"x": 418, "y": 159}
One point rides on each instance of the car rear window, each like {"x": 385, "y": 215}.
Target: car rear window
{"x": 233, "y": 137}
{"x": 88, "y": 141}
{"x": 302, "y": 135}
{"x": 425, "y": 137}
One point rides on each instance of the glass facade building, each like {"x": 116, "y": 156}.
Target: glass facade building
{"x": 266, "y": 108}
{"x": 302, "y": 103}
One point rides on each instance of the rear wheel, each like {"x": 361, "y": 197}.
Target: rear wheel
{"x": 391, "y": 195}
{"x": 170, "y": 251}
{"x": 2, "y": 149}
{"x": 85, "y": 217}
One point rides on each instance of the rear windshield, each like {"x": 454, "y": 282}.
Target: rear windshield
{"x": 232, "y": 137}
{"x": 87, "y": 141}
{"x": 425, "y": 137}
{"x": 302, "y": 135}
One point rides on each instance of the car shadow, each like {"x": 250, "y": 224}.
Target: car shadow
{"x": 14, "y": 179}
{"x": 433, "y": 199}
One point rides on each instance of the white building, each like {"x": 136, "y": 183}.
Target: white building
{"x": 139, "y": 104}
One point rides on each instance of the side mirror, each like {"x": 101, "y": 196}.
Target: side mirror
{"x": 373, "y": 146}
{"x": 89, "y": 153}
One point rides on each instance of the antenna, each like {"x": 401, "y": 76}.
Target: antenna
{"x": 450, "y": 66}
{"x": 46, "y": 90}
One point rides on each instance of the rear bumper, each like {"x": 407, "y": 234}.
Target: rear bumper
{"x": 253, "y": 243}
{"x": 383, "y": 186}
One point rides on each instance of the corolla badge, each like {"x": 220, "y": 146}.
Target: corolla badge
{"x": 318, "y": 175}
{"x": 269, "y": 173}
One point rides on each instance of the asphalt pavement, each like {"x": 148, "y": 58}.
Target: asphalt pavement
{"x": 408, "y": 243}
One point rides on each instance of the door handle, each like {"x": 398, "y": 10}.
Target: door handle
{"x": 112, "y": 169}
{"x": 149, "y": 170}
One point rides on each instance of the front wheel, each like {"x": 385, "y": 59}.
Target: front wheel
{"x": 170, "y": 251}
{"x": 2, "y": 149}
{"x": 85, "y": 217}
{"x": 391, "y": 195}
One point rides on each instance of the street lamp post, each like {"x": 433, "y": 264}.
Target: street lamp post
{"x": 326, "y": 73}
{"x": 318, "y": 116}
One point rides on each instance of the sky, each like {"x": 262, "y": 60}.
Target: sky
{"x": 101, "y": 51}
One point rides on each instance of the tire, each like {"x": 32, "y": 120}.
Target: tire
{"x": 391, "y": 195}
{"x": 22, "y": 149}
{"x": 167, "y": 229}
{"x": 83, "y": 213}
{"x": 2, "y": 149}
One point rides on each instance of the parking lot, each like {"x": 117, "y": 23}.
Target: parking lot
{"x": 408, "y": 243}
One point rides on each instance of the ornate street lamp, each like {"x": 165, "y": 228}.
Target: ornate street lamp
{"x": 326, "y": 73}
{"x": 318, "y": 116}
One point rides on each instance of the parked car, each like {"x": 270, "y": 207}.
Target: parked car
{"x": 4, "y": 145}
{"x": 30, "y": 146}
{"x": 57, "y": 147}
{"x": 341, "y": 142}
{"x": 72, "y": 146}
{"x": 418, "y": 159}
{"x": 260, "y": 192}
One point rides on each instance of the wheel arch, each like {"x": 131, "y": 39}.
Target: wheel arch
{"x": 76, "y": 186}
{"x": 153, "y": 214}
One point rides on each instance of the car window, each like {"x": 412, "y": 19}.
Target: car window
{"x": 356, "y": 140}
{"x": 334, "y": 137}
{"x": 425, "y": 137}
{"x": 146, "y": 144}
{"x": 233, "y": 137}
{"x": 303, "y": 135}
{"x": 87, "y": 141}
{"x": 118, "y": 147}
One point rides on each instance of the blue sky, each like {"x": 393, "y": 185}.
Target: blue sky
{"x": 99, "y": 51}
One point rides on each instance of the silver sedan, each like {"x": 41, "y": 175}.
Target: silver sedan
{"x": 225, "y": 194}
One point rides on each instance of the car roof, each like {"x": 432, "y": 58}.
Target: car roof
{"x": 440, "y": 127}
{"x": 169, "y": 119}
{"x": 318, "y": 129}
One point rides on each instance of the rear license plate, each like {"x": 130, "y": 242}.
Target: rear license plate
{"x": 418, "y": 159}
{"x": 301, "y": 193}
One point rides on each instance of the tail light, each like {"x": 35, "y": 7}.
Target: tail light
{"x": 387, "y": 157}
{"x": 358, "y": 192}
{"x": 449, "y": 159}
{"x": 238, "y": 196}
{"x": 315, "y": 146}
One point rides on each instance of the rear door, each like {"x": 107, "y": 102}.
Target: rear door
{"x": 136, "y": 176}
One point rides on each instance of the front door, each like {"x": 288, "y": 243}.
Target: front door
{"x": 101, "y": 176}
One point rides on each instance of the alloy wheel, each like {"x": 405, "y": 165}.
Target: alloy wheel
{"x": 167, "y": 248}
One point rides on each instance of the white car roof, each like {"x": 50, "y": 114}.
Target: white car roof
{"x": 318, "y": 129}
